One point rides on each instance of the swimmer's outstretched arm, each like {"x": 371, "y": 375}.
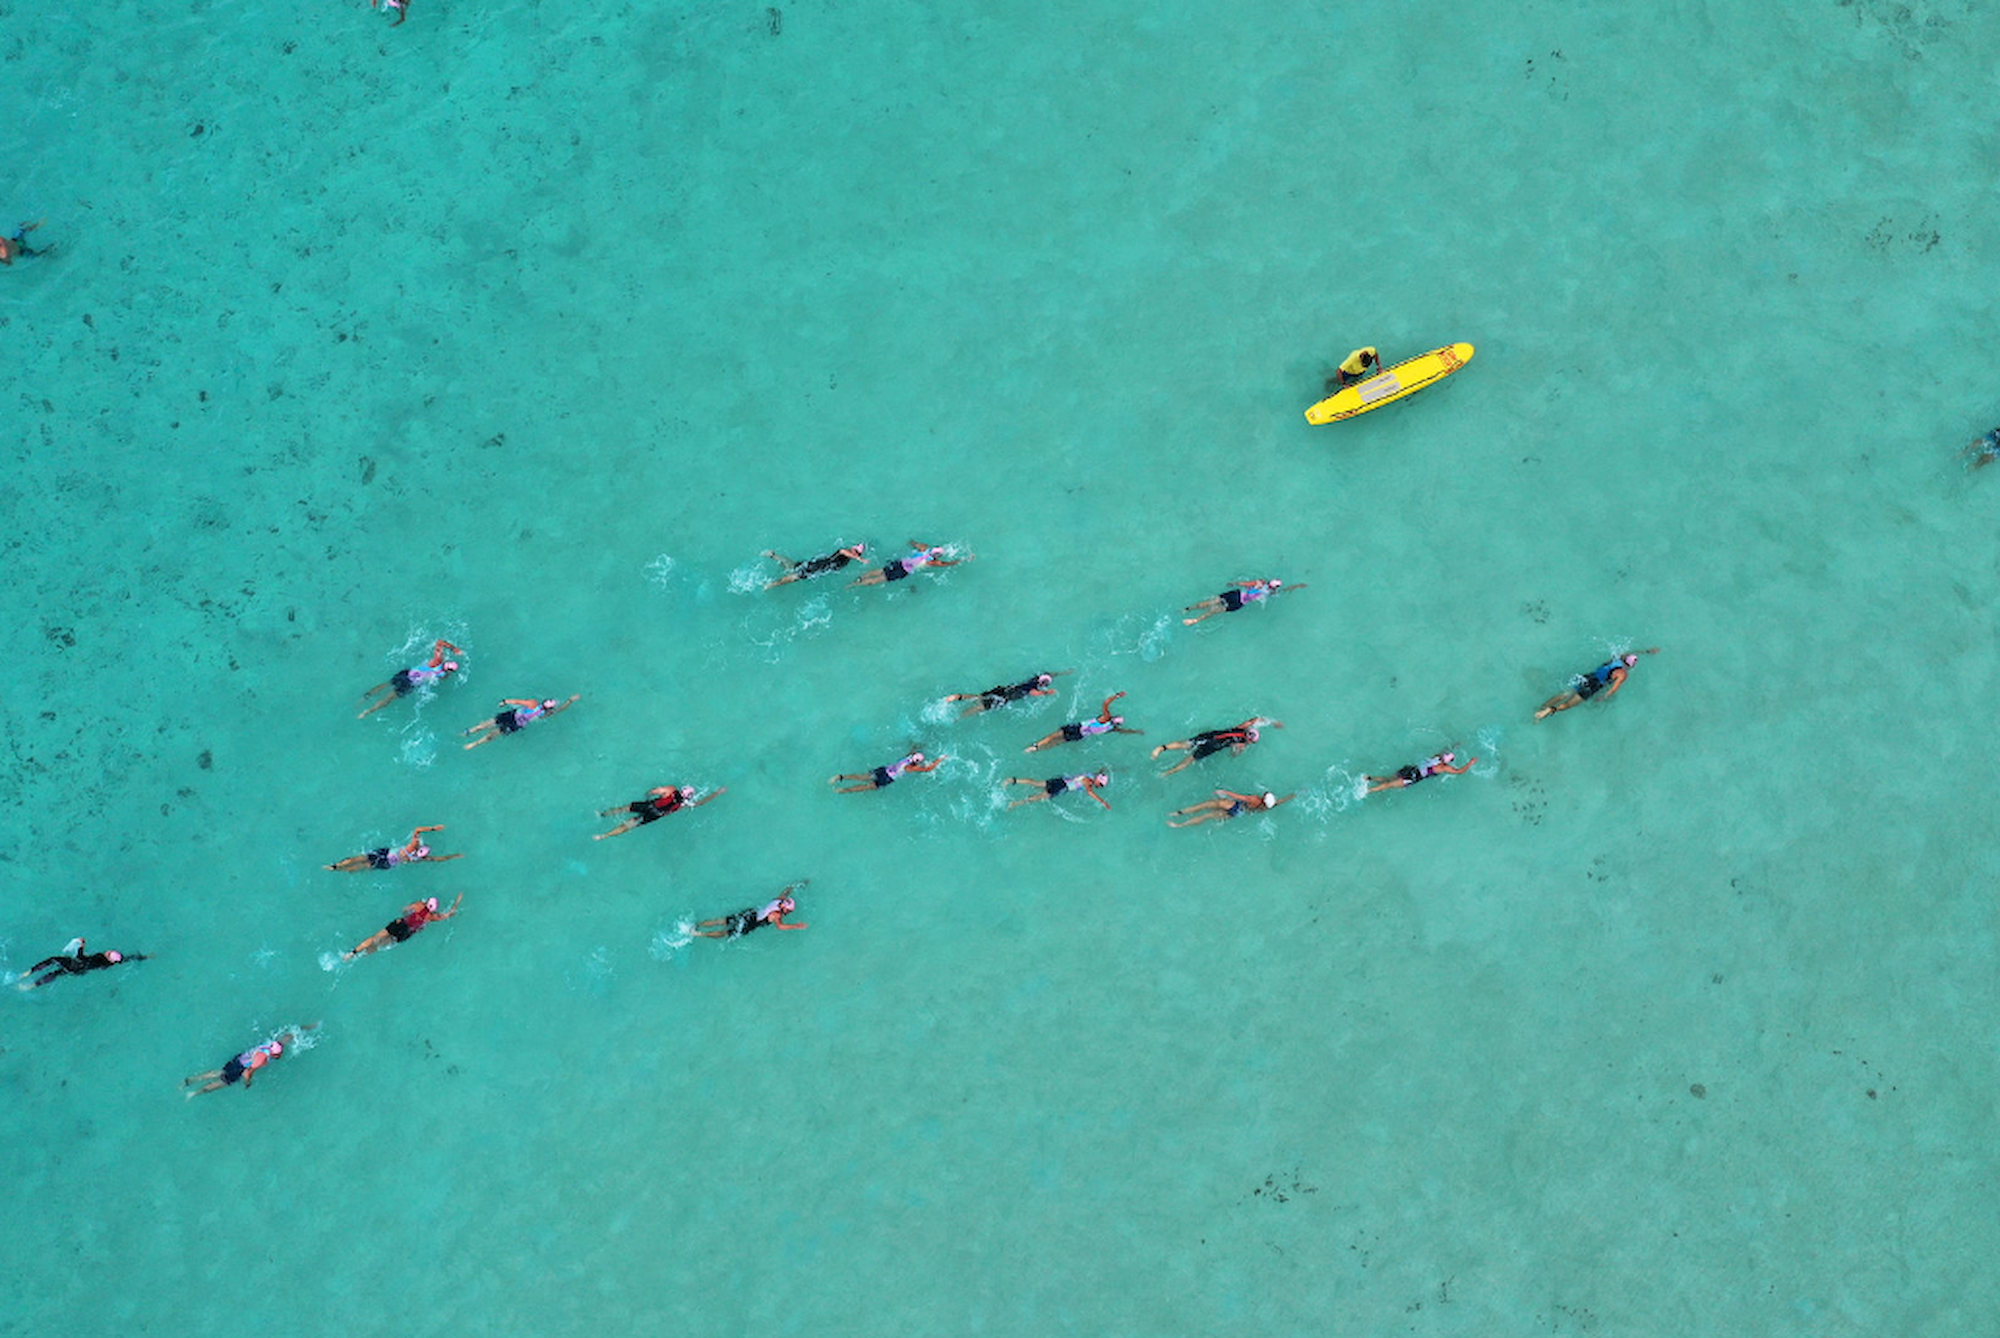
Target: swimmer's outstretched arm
{"x": 931, "y": 765}
{"x": 716, "y": 793}
{"x": 573, "y": 698}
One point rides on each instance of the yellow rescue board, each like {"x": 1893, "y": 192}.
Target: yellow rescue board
{"x": 1405, "y": 378}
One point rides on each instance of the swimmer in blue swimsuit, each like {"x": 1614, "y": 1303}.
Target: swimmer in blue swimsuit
{"x": 1606, "y": 678}
{"x": 1985, "y": 450}
{"x": 17, "y": 245}
{"x": 1226, "y": 805}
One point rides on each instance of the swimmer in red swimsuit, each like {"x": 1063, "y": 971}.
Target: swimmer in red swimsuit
{"x": 407, "y": 681}
{"x": 1226, "y": 805}
{"x": 1437, "y": 765}
{"x": 1056, "y": 785}
{"x": 1209, "y": 741}
{"x": 516, "y": 714}
{"x": 659, "y": 801}
{"x": 1244, "y": 594}
{"x": 414, "y": 917}
{"x": 413, "y": 852}
{"x": 881, "y": 777}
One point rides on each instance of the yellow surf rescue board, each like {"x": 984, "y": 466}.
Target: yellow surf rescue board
{"x": 1405, "y": 378}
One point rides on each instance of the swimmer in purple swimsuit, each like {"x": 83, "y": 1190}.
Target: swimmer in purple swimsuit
{"x": 407, "y": 681}
{"x": 658, "y": 802}
{"x": 517, "y": 714}
{"x": 1245, "y": 594}
{"x": 925, "y": 555}
{"x": 1210, "y": 741}
{"x": 1038, "y": 686}
{"x": 882, "y": 777}
{"x": 1606, "y": 678}
{"x": 243, "y": 1068}
{"x": 1226, "y": 805}
{"x": 1056, "y": 785}
{"x": 1437, "y": 765}
{"x": 413, "y": 852}
{"x": 1106, "y": 723}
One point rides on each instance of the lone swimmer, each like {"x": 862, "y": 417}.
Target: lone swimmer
{"x": 17, "y": 245}
{"x": 1606, "y": 678}
{"x": 1242, "y": 595}
{"x": 74, "y": 961}
{"x": 753, "y": 918}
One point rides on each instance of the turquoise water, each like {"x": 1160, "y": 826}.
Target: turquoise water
{"x": 530, "y": 326}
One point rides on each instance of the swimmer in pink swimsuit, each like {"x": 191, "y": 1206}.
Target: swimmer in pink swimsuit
{"x": 925, "y": 555}
{"x": 1438, "y": 765}
{"x": 1244, "y": 594}
{"x": 1106, "y": 723}
{"x": 407, "y": 681}
{"x": 382, "y": 857}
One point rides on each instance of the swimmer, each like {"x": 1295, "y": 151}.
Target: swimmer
{"x": 402, "y": 8}
{"x": 244, "y": 1067}
{"x": 1437, "y": 765}
{"x": 1229, "y": 601}
{"x": 925, "y": 555}
{"x": 1106, "y": 723}
{"x": 1038, "y": 686}
{"x": 912, "y": 765}
{"x": 1985, "y": 450}
{"x": 414, "y": 917}
{"x": 1226, "y": 805}
{"x": 659, "y": 801}
{"x": 1236, "y": 738}
{"x": 73, "y": 961}
{"x": 1359, "y": 366}
{"x": 407, "y": 681}
{"x": 17, "y": 245}
{"x": 414, "y": 851}
{"x": 819, "y": 566}
{"x": 517, "y": 715}
{"x": 772, "y": 912}
{"x": 1606, "y": 678}
{"x": 1056, "y": 785}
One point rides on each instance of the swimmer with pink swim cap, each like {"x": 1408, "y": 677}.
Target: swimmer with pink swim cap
{"x": 912, "y": 764}
{"x": 409, "y": 680}
{"x": 516, "y": 714}
{"x": 414, "y": 851}
{"x": 1439, "y": 764}
{"x": 402, "y": 8}
{"x": 1055, "y": 785}
{"x": 753, "y": 918}
{"x": 1606, "y": 678}
{"x": 74, "y": 961}
{"x": 659, "y": 801}
{"x": 805, "y": 571}
{"x": 1241, "y": 595}
{"x": 414, "y": 917}
{"x": 243, "y": 1068}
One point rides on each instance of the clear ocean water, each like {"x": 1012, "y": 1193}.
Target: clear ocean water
{"x": 531, "y": 325}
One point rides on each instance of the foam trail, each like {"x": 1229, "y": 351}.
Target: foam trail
{"x": 667, "y": 944}
{"x": 749, "y": 578}
{"x": 660, "y": 571}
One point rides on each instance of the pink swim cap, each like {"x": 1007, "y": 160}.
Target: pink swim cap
{"x": 430, "y": 903}
{"x": 114, "y": 955}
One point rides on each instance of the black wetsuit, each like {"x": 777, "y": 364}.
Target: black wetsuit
{"x": 652, "y": 809}
{"x": 1598, "y": 679}
{"x": 819, "y": 565}
{"x": 66, "y": 964}
{"x": 1215, "y": 740}
{"x": 1001, "y": 696}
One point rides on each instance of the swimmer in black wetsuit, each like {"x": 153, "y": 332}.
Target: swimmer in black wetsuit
{"x": 1606, "y": 678}
{"x": 1106, "y": 723}
{"x": 1056, "y": 785}
{"x": 73, "y": 961}
{"x": 752, "y": 918}
{"x": 1242, "y": 596}
{"x": 17, "y": 245}
{"x": 658, "y": 802}
{"x": 1226, "y": 805}
{"x": 1038, "y": 686}
{"x": 1235, "y": 739}
{"x": 1439, "y": 764}
{"x": 805, "y": 571}
{"x": 414, "y": 851}
{"x": 516, "y": 714}
{"x": 409, "y": 680}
